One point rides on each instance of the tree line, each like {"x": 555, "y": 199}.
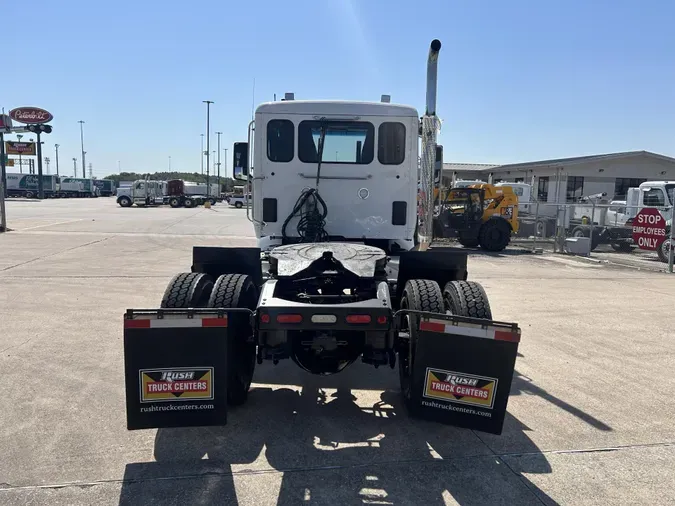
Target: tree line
{"x": 195, "y": 177}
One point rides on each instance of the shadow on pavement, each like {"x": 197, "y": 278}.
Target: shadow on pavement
{"x": 313, "y": 444}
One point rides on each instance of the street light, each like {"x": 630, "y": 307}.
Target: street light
{"x": 74, "y": 167}
{"x": 57, "y": 159}
{"x": 84, "y": 165}
{"x": 219, "y": 188}
{"x": 169, "y": 163}
{"x": 208, "y": 106}
{"x": 201, "y": 157}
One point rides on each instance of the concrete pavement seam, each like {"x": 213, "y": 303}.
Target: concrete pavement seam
{"x": 4, "y": 487}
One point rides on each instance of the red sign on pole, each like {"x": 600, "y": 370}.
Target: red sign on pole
{"x": 30, "y": 115}
{"x": 649, "y": 229}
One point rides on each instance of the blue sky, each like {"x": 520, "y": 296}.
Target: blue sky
{"x": 518, "y": 80}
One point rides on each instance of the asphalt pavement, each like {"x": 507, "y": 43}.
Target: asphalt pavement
{"x": 589, "y": 419}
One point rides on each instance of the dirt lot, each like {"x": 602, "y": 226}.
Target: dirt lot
{"x": 589, "y": 422}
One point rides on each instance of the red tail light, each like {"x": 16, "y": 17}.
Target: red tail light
{"x": 381, "y": 320}
{"x": 264, "y": 318}
{"x": 289, "y": 318}
{"x": 358, "y": 318}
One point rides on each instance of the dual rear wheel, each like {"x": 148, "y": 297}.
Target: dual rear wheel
{"x": 461, "y": 298}
{"x": 199, "y": 290}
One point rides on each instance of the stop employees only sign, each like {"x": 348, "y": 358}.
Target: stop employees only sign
{"x": 649, "y": 229}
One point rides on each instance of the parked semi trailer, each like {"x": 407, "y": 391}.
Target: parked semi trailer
{"x": 106, "y": 187}
{"x": 78, "y": 187}
{"x": 186, "y": 194}
{"x": 26, "y": 185}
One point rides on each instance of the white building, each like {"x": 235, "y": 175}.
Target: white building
{"x": 573, "y": 177}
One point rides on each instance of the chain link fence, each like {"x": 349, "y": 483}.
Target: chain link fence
{"x": 603, "y": 231}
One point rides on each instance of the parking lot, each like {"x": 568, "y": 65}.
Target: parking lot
{"x": 589, "y": 418}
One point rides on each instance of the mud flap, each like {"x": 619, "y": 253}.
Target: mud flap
{"x": 175, "y": 368}
{"x": 462, "y": 371}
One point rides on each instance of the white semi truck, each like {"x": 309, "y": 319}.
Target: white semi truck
{"x": 142, "y": 193}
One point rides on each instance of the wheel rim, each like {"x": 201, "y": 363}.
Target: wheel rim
{"x": 578, "y": 233}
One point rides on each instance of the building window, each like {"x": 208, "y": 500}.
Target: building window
{"x": 623, "y": 183}
{"x": 345, "y": 142}
{"x": 575, "y": 188}
{"x": 280, "y": 140}
{"x": 519, "y": 180}
{"x": 655, "y": 197}
{"x": 391, "y": 143}
{"x": 542, "y": 189}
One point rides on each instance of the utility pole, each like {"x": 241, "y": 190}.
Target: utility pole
{"x": 169, "y": 163}
{"x": 83, "y": 153}
{"x": 220, "y": 190}
{"x": 57, "y": 159}
{"x": 74, "y": 167}
{"x": 47, "y": 160}
{"x": 202, "y": 154}
{"x": 3, "y": 183}
{"x": 208, "y": 106}
{"x": 118, "y": 167}
{"x": 225, "y": 163}
{"x": 91, "y": 171}
{"x": 19, "y": 136}
{"x": 41, "y": 187}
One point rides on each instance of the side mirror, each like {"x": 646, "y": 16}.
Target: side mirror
{"x": 240, "y": 161}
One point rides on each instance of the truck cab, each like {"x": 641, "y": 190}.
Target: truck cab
{"x": 141, "y": 193}
{"x": 366, "y": 177}
{"x": 659, "y": 194}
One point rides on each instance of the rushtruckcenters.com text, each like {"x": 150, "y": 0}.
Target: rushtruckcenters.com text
{"x": 173, "y": 407}
{"x": 450, "y": 407}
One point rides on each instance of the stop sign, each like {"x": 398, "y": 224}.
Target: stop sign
{"x": 649, "y": 229}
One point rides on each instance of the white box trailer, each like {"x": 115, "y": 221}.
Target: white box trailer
{"x": 26, "y": 185}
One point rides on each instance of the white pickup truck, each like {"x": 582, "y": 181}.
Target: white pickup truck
{"x": 239, "y": 201}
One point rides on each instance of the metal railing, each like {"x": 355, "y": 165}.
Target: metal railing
{"x": 597, "y": 230}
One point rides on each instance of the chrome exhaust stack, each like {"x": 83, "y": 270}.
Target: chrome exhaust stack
{"x": 430, "y": 125}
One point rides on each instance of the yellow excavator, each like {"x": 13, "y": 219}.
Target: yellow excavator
{"x": 482, "y": 215}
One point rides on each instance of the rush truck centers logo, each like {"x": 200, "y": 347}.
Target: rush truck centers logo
{"x": 458, "y": 387}
{"x": 176, "y": 384}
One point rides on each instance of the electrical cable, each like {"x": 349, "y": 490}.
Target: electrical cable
{"x": 310, "y": 207}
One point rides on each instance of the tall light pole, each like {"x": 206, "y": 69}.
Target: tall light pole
{"x": 84, "y": 165}
{"x": 19, "y": 136}
{"x": 220, "y": 190}
{"x": 201, "y": 157}
{"x": 57, "y": 159}
{"x": 74, "y": 167}
{"x": 225, "y": 163}
{"x": 118, "y": 167}
{"x": 208, "y": 106}
{"x": 169, "y": 163}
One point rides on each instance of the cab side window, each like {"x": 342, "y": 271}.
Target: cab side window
{"x": 280, "y": 140}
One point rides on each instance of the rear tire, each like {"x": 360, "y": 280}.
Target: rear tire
{"x": 622, "y": 247}
{"x": 188, "y": 289}
{"x": 494, "y": 235}
{"x": 174, "y": 202}
{"x": 189, "y": 203}
{"x": 418, "y": 295}
{"x": 238, "y": 205}
{"x": 237, "y": 291}
{"x": 663, "y": 250}
{"x": 467, "y": 298}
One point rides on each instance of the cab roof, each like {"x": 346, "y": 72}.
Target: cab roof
{"x": 337, "y": 108}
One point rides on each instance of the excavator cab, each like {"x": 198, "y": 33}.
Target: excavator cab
{"x": 480, "y": 215}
